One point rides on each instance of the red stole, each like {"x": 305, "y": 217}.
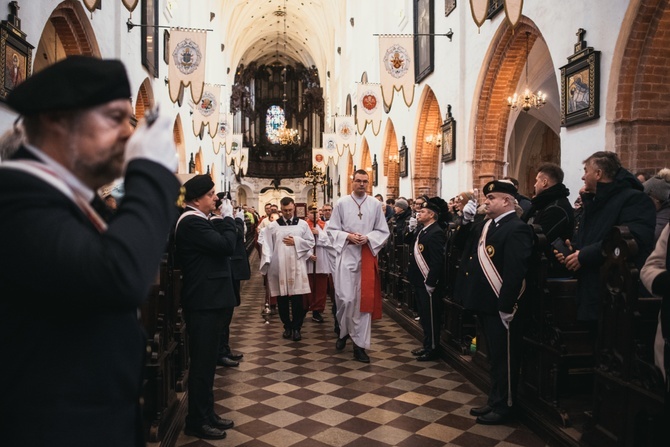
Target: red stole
{"x": 371, "y": 293}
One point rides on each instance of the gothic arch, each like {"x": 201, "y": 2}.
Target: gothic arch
{"x": 67, "y": 32}
{"x": 350, "y": 172}
{"x": 425, "y": 173}
{"x": 366, "y": 163}
{"x": 390, "y": 162}
{"x": 145, "y": 99}
{"x": 504, "y": 68}
{"x": 198, "y": 162}
{"x": 178, "y": 135}
{"x": 641, "y": 119}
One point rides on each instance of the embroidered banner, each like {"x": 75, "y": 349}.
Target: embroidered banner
{"x": 330, "y": 147}
{"x": 345, "y": 134}
{"x": 318, "y": 157}
{"x": 396, "y": 55}
{"x": 369, "y": 107}
{"x": 222, "y": 133}
{"x": 479, "y": 9}
{"x": 187, "y": 63}
{"x": 513, "y": 9}
{"x": 206, "y": 112}
{"x": 91, "y": 5}
{"x": 130, "y": 4}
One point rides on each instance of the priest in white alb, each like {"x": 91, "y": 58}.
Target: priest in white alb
{"x": 287, "y": 243}
{"x": 357, "y": 230}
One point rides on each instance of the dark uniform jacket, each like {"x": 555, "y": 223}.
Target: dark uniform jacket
{"x": 620, "y": 202}
{"x": 431, "y": 244}
{"x": 239, "y": 261}
{"x": 70, "y": 340}
{"x": 204, "y": 248}
{"x": 510, "y": 247}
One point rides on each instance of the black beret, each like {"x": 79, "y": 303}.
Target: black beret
{"x": 76, "y": 82}
{"x": 198, "y": 186}
{"x": 501, "y": 187}
{"x": 438, "y": 206}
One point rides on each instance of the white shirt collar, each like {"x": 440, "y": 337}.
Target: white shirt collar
{"x": 497, "y": 219}
{"x": 73, "y": 182}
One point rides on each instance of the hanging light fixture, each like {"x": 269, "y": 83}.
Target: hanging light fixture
{"x": 284, "y": 134}
{"x": 526, "y": 100}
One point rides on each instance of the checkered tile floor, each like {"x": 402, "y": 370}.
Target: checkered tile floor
{"x": 306, "y": 393}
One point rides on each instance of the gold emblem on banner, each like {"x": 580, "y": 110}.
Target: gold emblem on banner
{"x": 490, "y": 251}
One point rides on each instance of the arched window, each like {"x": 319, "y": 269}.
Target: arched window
{"x": 274, "y": 120}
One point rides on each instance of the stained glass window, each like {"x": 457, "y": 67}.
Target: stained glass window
{"x": 274, "y": 120}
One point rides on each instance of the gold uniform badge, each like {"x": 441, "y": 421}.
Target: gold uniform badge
{"x": 490, "y": 250}
{"x": 421, "y": 248}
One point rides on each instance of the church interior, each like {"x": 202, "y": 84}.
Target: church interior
{"x": 276, "y": 98}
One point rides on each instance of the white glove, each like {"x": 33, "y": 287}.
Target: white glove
{"x": 469, "y": 211}
{"x": 506, "y": 319}
{"x": 226, "y": 208}
{"x": 239, "y": 214}
{"x": 430, "y": 290}
{"x": 411, "y": 225}
{"x": 155, "y": 143}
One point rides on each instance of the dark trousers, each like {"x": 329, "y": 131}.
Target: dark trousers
{"x": 203, "y": 327}
{"x": 297, "y": 311}
{"x": 224, "y": 337}
{"x": 430, "y": 323}
{"x": 495, "y": 335}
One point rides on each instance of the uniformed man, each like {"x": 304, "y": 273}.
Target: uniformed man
{"x": 71, "y": 282}
{"x": 426, "y": 261}
{"x": 491, "y": 283}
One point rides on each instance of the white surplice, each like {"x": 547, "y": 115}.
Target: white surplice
{"x": 283, "y": 264}
{"x": 321, "y": 251}
{"x": 346, "y": 261}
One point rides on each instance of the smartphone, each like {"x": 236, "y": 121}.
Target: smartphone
{"x": 559, "y": 245}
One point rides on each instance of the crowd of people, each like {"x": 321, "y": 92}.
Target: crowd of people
{"x": 99, "y": 263}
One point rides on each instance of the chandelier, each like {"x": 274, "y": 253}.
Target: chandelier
{"x": 526, "y": 100}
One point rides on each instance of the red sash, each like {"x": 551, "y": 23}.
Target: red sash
{"x": 371, "y": 293}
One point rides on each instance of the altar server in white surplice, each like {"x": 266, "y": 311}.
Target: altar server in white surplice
{"x": 357, "y": 230}
{"x": 287, "y": 243}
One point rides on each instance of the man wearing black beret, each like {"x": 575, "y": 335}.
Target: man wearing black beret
{"x": 491, "y": 282}
{"x": 426, "y": 261}
{"x": 204, "y": 247}
{"x": 72, "y": 282}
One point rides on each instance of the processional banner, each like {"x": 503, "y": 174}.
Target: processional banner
{"x": 330, "y": 147}
{"x": 187, "y": 51}
{"x": 396, "y": 56}
{"x": 206, "y": 112}
{"x": 369, "y": 107}
{"x": 345, "y": 134}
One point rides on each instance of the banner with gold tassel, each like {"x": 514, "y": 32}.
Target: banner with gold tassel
{"x": 130, "y": 4}
{"x": 396, "y": 56}
{"x": 345, "y": 134}
{"x": 369, "y": 107}
{"x": 480, "y": 10}
{"x": 330, "y": 147}
{"x": 187, "y": 52}
{"x": 206, "y": 112}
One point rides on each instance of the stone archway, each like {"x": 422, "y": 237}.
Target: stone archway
{"x": 504, "y": 69}
{"x": 366, "y": 164}
{"x": 178, "y": 135}
{"x": 67, "y": 32}
{"x": 390, "y": 162}
{"x": 350, "y": 173}
{"x": 425, "y": 174}
{"x": 641, "y": 119}
{"x": 145, "y": 99}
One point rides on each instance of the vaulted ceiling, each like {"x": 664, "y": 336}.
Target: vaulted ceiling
{"x": 255, "y": 30}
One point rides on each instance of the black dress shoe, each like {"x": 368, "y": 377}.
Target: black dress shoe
{"x": 316, "y": 316}
{"x": 428, "y": 356}
{"x": 341, "y": 343}
{"x": 493, "y": 418}
{"x": 221, "y": 423}
{"x": 296, "y": 335}
{"x": 418, "y": 351}
{"x": 360, "y": 355}
{"x": 480, "y": 411}
{"x": 235, "y": 356}
{"x": 287, "y": 333}
{"x": 205, "y": 432}
{"x": 227, "y": 361}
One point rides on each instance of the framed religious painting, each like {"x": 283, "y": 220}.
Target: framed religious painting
{"x": 449, "y": 6}
{"x": 301, "y": 210}
{"x": 16, "y": 58}
{"x": 149, "y": 35}
{"x": 402, "y": 159}
{"x": 580, "y": 85}
{"x": 448, "y": 137}
{"x": 424, "y": 28}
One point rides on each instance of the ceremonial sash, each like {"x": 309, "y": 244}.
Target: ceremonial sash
{"x": 371, "y": 294}
{"x": 420, "y": 261}
{"x": 489, "y": 269}
{"x": 186, "y": 214}
{"x": 45, "y": 174}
